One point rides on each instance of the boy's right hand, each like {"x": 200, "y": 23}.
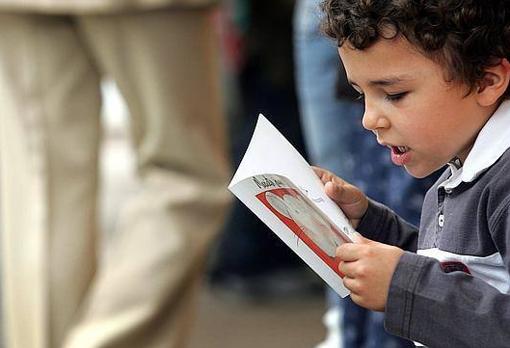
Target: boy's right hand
{"x": 349, "y": 198}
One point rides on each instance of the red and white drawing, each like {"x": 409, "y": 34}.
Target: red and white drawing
{"x": 310, "y": 227}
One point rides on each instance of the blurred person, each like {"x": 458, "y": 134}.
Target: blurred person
{"x": 331, "y": 122}
{"x": 162, "y": 56}
{"x": 260, "y": 47}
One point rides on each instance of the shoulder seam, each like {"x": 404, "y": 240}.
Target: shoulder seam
{"x": 496, "y": 217}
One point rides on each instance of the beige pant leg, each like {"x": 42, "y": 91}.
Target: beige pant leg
{"x": 165, "y": 65}
{"x": 49, "y": 129}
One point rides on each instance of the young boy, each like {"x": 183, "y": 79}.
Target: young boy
{"x": 435, "y": 79}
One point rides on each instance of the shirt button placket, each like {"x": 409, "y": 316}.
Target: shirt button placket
{"x": 440, "y": 216}
{"x": 440, "y": 220}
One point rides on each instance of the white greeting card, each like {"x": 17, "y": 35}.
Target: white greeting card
{"x": 279, "y": 186}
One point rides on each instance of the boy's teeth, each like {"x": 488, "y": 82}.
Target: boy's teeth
{"x": 402, "y": 148}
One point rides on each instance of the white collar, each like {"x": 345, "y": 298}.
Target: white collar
{"x": 490, "y": 144}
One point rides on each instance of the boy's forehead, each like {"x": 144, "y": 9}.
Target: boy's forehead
{"x": 392, "y": 61}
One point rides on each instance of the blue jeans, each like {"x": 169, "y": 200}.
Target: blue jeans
{"x": 327, "y": 122}
{"x": 336, "y": 140}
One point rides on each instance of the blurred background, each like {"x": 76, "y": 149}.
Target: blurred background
{"x": 133, "y": 115}
{"x": 255, "y": 292}
{"x": 264, "y": 308}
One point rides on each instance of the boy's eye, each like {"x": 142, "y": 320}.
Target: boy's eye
{"x": 396, "y": 96}
{"x": 361, "y": 96}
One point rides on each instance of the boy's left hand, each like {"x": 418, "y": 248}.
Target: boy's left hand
{"x": 368, "y": 267}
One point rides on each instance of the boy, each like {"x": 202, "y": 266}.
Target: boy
{"x": 435, "y": 79}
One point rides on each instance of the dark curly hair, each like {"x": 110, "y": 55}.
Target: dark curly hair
{"x": 463, "y": 36}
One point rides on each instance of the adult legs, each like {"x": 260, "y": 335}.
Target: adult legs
{"x": 49, "y": 134}
{"x": 164, "y": 63}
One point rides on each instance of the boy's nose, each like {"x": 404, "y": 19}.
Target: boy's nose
{"x": 373, "y": 119}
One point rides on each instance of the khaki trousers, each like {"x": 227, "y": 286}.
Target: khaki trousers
{"x": 141, "y": 294}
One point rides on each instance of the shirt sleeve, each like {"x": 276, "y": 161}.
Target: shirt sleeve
{"x": 454, "y": 309}
{"x": 441, "y": 309}
{"x": 383, "y": 225}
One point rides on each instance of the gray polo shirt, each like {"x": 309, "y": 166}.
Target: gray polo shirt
{"x": 452, "y": 287}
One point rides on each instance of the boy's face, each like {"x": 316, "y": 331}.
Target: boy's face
{"x": 424, "y": 120}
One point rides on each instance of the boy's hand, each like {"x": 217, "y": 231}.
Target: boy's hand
{"x": 368, "y": 267}
{"x": 349, "y": 198}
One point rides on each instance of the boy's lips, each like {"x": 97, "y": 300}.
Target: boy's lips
{"x": 400, "y": 155}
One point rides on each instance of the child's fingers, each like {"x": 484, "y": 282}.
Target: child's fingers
{"x": 338, "y": 192}
{"x": 349, "y": 252}
{"x": 350, "y": 199}
{"x": 360, "y": 239}
{"x": 343, "y": 193}
{"x": 336, "y": 188}
{"x": 356, "y": 298}
{"x": 321, "y": 173}
{"x": 347, "y": 269}
{"x": 351, "y": 284}
{"x": 327, "y": 176}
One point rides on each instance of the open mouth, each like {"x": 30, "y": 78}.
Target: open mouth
{"x": 400, "y": 155}
{"x": 399, "y": 150}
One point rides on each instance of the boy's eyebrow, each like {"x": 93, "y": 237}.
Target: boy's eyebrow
{"x": 386, "y": 81}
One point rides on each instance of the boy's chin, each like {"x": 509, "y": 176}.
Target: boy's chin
{"x": 419, "y": 172}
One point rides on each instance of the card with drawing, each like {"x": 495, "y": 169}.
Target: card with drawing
{"x": 280, "y": 187}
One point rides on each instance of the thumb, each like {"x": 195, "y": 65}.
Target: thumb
{"x": 348, "y": 197}
{"x": 358, "y": 238}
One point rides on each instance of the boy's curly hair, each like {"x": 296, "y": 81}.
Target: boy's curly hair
{"x": 463, "y": 36}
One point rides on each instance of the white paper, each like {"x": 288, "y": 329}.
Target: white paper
{"x": 279, "y": 186}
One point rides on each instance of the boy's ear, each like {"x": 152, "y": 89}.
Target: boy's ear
{"x": 494, "y": 83}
